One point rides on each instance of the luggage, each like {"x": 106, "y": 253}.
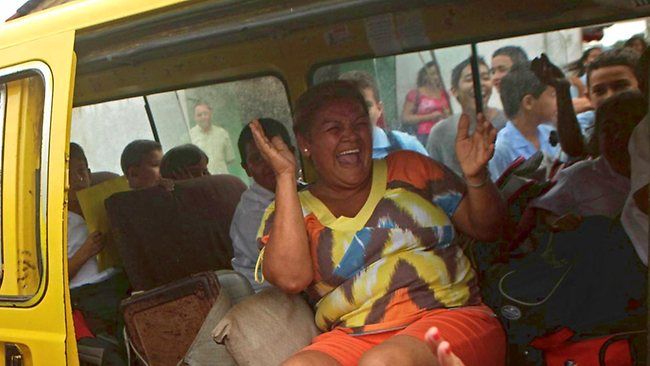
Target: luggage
{"x": 163, "y": 322}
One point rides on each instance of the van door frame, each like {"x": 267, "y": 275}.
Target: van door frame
{"x": 40, "y": 326}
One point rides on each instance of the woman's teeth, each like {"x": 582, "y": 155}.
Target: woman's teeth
{"x": 348, "y": 152}
{"x": 348, "y": 157}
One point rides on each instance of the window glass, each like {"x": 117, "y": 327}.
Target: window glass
{"x": 23, "y": 186}
{"x": 104, "y": 129}
{"x": 213, "y": 116}
{"x": 423, "y": 94}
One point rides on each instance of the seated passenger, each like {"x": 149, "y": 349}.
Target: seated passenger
{"x": 611, "y": 72}
{"x": 530, "y": 105}
{"x": 442, "y": 139}
{"x": 184, "y": 162}
{"x": 140, "y": 163}
{"x": 97, "y": 294}
{"x": 601, "y": 185}
{"x": 383, "y": 142}
{"x": 373, "y": 242}
{"x": 255, "y": 200}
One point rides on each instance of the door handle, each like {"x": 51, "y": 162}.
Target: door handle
{"x": 13, "y": 356}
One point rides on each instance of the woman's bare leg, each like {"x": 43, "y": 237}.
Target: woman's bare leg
{"x": 309, "y": 358}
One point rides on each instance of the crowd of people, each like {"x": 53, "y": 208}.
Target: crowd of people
{"x": 374, "y": 240}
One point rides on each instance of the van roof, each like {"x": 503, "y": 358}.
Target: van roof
{"x": 119, "y": 40}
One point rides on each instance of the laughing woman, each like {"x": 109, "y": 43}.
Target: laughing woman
{"x": 372, "y": 241}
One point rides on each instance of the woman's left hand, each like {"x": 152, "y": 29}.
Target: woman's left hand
{"x": 441, "y": 348}
{"x": 475, "y": 150}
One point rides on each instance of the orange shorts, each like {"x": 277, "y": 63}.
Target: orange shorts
{"x": 475, "y": 335}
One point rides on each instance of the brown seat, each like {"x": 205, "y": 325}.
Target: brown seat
{"x": 166, "y": 236}
{"x": 99, "y": 177}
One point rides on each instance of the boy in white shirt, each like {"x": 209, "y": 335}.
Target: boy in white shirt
{"x": 97, "y": 294}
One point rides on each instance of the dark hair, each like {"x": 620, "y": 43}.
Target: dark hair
{"x": 578, "y": 66}
{"x": 363, "y": 80}
{"x": 424, "y": 71}
{"x": 458, "y": 70}
{"x": 180, "y": 157}
{"x": 76, "y": 152}
{"x": 312, "y": 100}
{"x": 634, "y": 38}
{"x": 135, "y": 151}
{"x": 271, "y": 128}
{"x": 516, "y": 54}
{"x": 620, "y": 112}
{"x": 518, "y": 83}
{"x": 615, "y": 57}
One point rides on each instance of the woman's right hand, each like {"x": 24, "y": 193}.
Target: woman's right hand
{"x": 275, "y": 151}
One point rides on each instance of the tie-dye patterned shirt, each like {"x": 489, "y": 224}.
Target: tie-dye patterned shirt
{"x": 382, "y": 269}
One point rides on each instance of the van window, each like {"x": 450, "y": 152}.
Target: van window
{"x": 23, "y": 92}
{"x": 104, "y": 129}
{"x": 229, "y": 106}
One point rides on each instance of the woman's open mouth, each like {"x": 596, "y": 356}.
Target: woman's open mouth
{"x": 349, "y": 157}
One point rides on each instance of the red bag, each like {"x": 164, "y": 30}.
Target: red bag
{"x": 560, "y": 350}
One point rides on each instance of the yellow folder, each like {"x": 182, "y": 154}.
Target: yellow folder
{"x": 91, "y": 201}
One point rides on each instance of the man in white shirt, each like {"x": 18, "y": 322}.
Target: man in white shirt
{"x": 255, "y": 200}
{"x": 212, "y": 139}
{"x": 599, "y": 186}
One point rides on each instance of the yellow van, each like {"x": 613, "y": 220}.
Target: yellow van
{"x": 110, "y": 71}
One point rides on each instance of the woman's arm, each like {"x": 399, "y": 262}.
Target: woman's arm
{"x": 481, "y": 213}
{"x": 287, "y": 260}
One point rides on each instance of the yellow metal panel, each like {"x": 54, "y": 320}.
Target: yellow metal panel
{"x": 40, "y": 326}
{"x": 73, "y": 16}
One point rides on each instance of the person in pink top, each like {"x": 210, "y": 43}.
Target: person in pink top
{"x": 427, "y": 104}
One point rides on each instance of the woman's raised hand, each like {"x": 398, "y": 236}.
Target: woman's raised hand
{"x": 475, "y": 151}
{"x": 274, "y": 151}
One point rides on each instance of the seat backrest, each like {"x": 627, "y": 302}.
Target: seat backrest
{"x": 165, "y": 236}
{"x": 162, "y": 323}
{"x": 99, "y": 177}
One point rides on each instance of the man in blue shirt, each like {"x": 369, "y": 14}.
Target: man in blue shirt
{"x": 383, "y": 142}
{"x": 529, "y": 105}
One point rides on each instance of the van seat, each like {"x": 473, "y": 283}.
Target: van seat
{"x": 166, "y": 236}
{"x": 99, "y": 177}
